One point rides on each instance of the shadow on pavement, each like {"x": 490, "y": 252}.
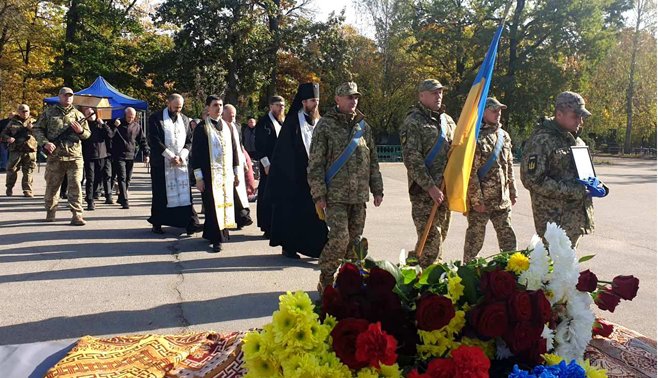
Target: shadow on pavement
{"x": 243, "y": 306}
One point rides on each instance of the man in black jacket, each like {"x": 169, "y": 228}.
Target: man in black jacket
{"x": 94, "y": 153}
{"x": 126, "y": 133}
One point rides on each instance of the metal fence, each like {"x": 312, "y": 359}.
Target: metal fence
{"x": 388, "y": 153}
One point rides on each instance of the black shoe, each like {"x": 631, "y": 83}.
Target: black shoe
{"x": 192, "y": 229}
{"x": 125, "y": 205}
{"x": 91, "y": 206}
{"x": 216, "y": 247}
{"x": 157, "y": 230}
{"x": 290, "y": 255}
{"x": 96, "y": 196}
{"x": 109, "y": 201}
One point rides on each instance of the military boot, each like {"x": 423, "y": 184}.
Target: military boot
{"x": 77, "y": 221}
{"x": 50, "y": 215}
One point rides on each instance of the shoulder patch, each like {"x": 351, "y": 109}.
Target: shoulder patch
{"x": 532, "y": 163}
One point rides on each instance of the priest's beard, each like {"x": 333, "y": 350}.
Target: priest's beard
{"x": 279, "y": 117}
{"x": 313, "y": 112}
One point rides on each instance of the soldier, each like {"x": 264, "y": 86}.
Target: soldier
{"x": 59, "y": 131}
{"x": 491, "y": 189}
{"x": 22, "y": 150}
{"x": 548, "y": 171}
{"x": 342, "y": 167}
{"x": 425, "y": 136}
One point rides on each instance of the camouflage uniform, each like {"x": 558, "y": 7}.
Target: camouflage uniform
{"x": 418, "y": 134}
{"x": 22, "y": 153}
{"x": 496, "y": 191}
{"x": 54, "y": 126}
{"x": 347, "y": 194}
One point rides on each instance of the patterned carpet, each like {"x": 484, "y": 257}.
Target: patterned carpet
{"x": 211, "y": 355}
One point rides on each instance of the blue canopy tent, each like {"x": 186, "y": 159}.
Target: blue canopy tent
{"x": 118, "y": 100}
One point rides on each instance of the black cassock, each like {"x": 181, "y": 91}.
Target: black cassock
{"x": 295, "y": 223}
{"x": 161, "y": 215}
{"x": 265, "y": 141}
{"x": 201, "y": 160}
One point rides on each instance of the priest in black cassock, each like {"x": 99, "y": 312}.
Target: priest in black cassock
{"x": 169, "y": 138}
{"x": 296, "y": 226}
{"x": 267, "y": 132}
{"x": 215, "y": 163}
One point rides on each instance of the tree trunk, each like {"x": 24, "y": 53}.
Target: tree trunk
{"x": 274, "y": 19}
{"x": 514, "y": 41}
{"x": 72, "y": 20}
{"x": 631, "y": 79}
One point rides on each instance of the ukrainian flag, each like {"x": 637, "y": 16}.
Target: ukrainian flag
{"x": 462, "y": 151}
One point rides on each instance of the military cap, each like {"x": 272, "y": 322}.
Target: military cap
{"x": 430, "y": 85}
{"x": 23, "y": 107}
{"x": 572, "y": 101}
{"x": 347, "y": 89}
{"x": 65, "y": 90}
{"x": 494, "y": 104}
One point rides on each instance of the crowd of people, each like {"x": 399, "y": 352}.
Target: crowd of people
{"x": 315, "y": 173}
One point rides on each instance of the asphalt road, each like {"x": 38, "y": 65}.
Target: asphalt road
{"x": 113, "y": 276}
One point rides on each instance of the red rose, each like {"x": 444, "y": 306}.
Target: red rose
{"x": 334, "y": 304}
{"x": 497, "y": 284}
{"x": 602, "y": 328}
{"x": 520, "y": 306}
{"x": 532, "y": 356}
{"x": 433, "y": 312}
{"x": 376, "y": 347}
{"x": 441, "y": 368}
{"x": 541, "y": 307}
{"x": 522, "y": 336}
{"x": 344, "y": 337}
{"x": 606, "y": 300}
{"x": 625, "y": 286}
{"x": 490, "y": 320}
{"x": 380, "y": 282}
{"x": 349, "y": 280}
{"x": 587, "y": 281}
{"x": 415, "y": 374}
{"x": 470, "y": 362}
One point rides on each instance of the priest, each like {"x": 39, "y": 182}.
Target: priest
{"x": 215, "y": 164}
{"x": 296, "y": 226}
{"x": 242, "y": 212}
{"x": 267, "y": 133}
{"x": 169, "y": 138}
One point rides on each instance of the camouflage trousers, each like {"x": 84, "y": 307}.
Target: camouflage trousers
{"x": 55, "y": 171}
{"x": 345, "y": 222}
{"x": 421, "y": 207}
{"x": 477, "y": 225}
{"x": 25, "y": 162}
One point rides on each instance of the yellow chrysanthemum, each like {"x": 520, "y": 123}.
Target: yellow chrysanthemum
{"x": 299, "y": 302}
{"x": 391, "y": 371}
{"x": 254, "y": 345}
{"x": 262, "y": 367}
{"x": 518, "y": 263}
{"x": 455, "y": 288}
{"x": 592, "y": 371}
{"x": 330, "y": 322}
{"x": 551, "y": 359}
{"x": 367, "y": 373}
{"x": 456, "y": 323}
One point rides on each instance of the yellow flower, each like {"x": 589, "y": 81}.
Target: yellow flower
{"x": 518, "y": 263}
{"x": 551, "y": 359}
{"x": 330, "y": 322}
{"x": 367, "y": 373}
{"x": 262, "y": 367}
{"x": 391, "y": 371}
{"x": 455, "y": 288}
{"x": 456, "y": 323}
{"x": 253, "y": 345}
{"x": 299, "y": 302}
{"x": 591, "y": 371}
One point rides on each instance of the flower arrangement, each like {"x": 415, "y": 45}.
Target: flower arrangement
{"x": 518, "y": 314}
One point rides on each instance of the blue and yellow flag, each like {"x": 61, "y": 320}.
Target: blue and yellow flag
{"x": 462, "y": 151}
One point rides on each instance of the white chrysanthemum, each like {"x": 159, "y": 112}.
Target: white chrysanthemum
{"x": 548, "y": 334}
{"x": 537, "y": 273}
{"x": 536, "y": 239}
{"x": 403, "y": 257}
{"x": 502, "y": 351}
{"x": 565, "y": 266}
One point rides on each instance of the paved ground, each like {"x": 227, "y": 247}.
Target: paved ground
{"x": 114, "y": 277}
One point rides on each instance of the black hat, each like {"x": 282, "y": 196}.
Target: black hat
{"x": 308, "y": 90}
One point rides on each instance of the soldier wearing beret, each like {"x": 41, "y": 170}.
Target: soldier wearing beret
{"x": 60, "y": 131}
{"x": 549, "y": 172}
{"x": 426, "y": 135}
{"x": 340, "y": 180}
{"x": 491, "y": 188}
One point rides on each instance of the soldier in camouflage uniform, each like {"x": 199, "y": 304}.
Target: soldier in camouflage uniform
{"x": 492, "y": 190}
{"x": 59, "y": 131}
{"x": 425, "y": 126}
{"x": 344, "y": 198}
{"x": 22, "y": 150}
{"x": 548, "y": 170}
